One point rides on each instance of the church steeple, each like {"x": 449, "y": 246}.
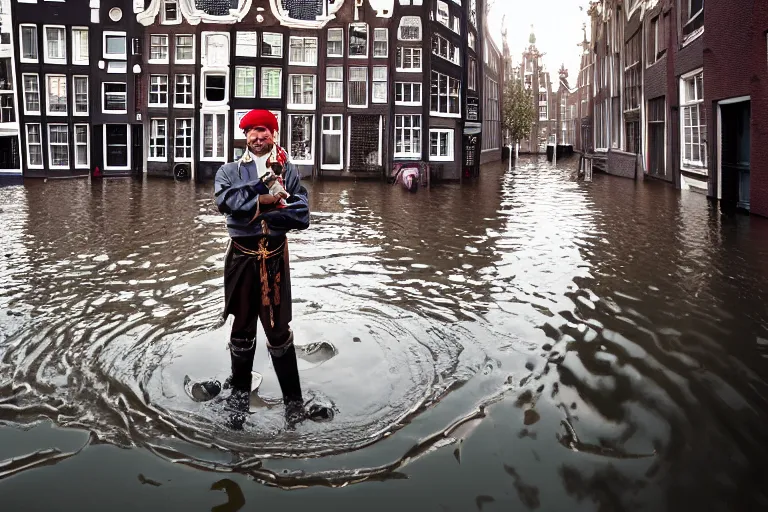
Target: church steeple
{"x": 532, "y": 38}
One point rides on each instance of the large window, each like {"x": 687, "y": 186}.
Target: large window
{"x": 81, "y": 95}
{"x": 158, "y": 130}
{"x": 335, "y": 47}
{"x": 334, "y": 85}
{"x": 657, "y": 38}
{"x": 380, "y": 42}
{"x": 409, "y": 59}
{"x": 214, "y": 129}
{"x": 693, "y": 16}
{"x": 446, "y": 94}
{"x": 57, "y": 95}
{"x": 28, "y": 38}
{"x": 445, "y": 49}
{"x": 379, "y": 91}
{"x": 301, "y": 143}
{"x": 358, "y": 87}
{"x": 183, "y": 91}
{"x": 302, "y": 94}
{"x": 115, "y": 99}
{"x": 441, "y": 145}
{"x": 115, "y": 45}
{"x": 632, "y": 77}
{"x": 407, "y": 136}
{"x": 245, "y": 82}
{"x": 31, "y": 94}
{"x": 303, "y": 51}
{"x": 694, "y": 125}
{"x": 271, "y": 82}
{"x": 185, "y": 49}
{"x": 82, "y": 153}
{"x": 55, "y": 45}
{"x": 246, "y": 44}
{"x": 58, "y": 146}
{"x": 332, "y": 147}
{"x": 215, "y": 49}
{"x": 158, "y": 49}
{"x": 358, "y": 40}
{"x": 34, "y": 146}
{"x": 271, "y": 45}
{"x": 80, "y": 46}
{"x": 442, "y": 15}
{"x": 183, "y": 141}
{"x": 158, "y": 90}
{"x": 408, "y": 93}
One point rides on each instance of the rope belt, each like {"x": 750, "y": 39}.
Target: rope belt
{"x": 262, "y": 254}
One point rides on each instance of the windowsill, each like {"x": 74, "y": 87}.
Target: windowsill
{"x": 245, "y": 97}
{"x": 125, "y": 168}
{"x": 29, "y": 61}
{"x": 331, "y": 100}
{"x": 441, "y": 114}
{"x": 381, "y": 56}
{"x": 157, "y": 159}
{"x": 81, "y": 63}
{"x": 171, "y": 22}
{"x": 400, "y": 70}
{"x": 184, "y": 62}
{"x": 332, "y": 167}
{"x": 212, "y": 159}
{"x": 407, "y": 156}
{"x": 357, "y": 106}
{"x": 56, "y": 114}
{"x": 30, "y": 166}
{"x": 301, "y": 107}
{"x": 701, "y": 171}
{"x": 440, "y": 158}
{"x": 358, "y": 57}
{"x": 214, "y": 104}
{"x": 183, "y": 106}
{"x": 693, "y": 36}
{"x": 122, "y": 56}
{"x": 408, "y": 104}
{"x": 379, "y": 102}
{"x": 59, "y": 168}
{"x": 303, "y": 64}
{"x": 83, "y": 166}
{"x": 271, "y": 98}
{"x": 335, "y": 56}
{"x": 80, "y": 114}
{"x": 182, "y": 160}
{"x": 115, "y": 112}
{"x": 157, "y": 105}
{"x": 303, "y": 162}
{"x": 165, "y": 61}
{"x": 57, "y": 62}
{"x": 38, "y": 113}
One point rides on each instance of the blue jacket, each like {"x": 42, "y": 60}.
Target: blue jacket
{"x": 237, "y": 188}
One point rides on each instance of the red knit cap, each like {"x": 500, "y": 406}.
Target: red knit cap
{"x": 256, "y": 118}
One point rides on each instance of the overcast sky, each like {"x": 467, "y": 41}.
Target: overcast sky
{"x": 556, "y": 23}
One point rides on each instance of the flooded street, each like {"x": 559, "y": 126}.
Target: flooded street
{"x": 524, "y": 342}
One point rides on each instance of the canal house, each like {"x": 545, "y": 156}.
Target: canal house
{"x": 10, "y": 147}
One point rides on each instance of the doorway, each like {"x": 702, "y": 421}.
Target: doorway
{"x": 657, "y": 137}
{"x": 735, "y": 154}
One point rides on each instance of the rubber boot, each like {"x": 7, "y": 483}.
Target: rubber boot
{"x": 287, "y": 372}
{"x": 242, "y": 351}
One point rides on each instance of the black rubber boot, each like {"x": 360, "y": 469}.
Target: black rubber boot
{"x": 242, "y": 351}
{"x": 287, "y": 371}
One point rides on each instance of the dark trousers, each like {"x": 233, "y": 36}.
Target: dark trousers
{"x": 244, "y": 298}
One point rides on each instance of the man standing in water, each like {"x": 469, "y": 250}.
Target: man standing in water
{"x": 257, "y": 281}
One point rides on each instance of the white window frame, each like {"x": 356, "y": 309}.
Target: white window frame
{"x": 191, "y": 104}
{"x": 349, "y": 87}
{"x": 39, "y": 111}
{"x": 301, "y": 106}
{"x": 411, "y": 85}
{"x": 87, "y": 98}
{"x": 367, "y": 40}
{"x": 75, "y": 60}
{"x": 114, "y": 56}
{"x": 303, "y": 42}
{"x": 159, "y": 92}
{"x": 204, "y": 100}
{"x": 253, "y": 84}
{"x": 282, "y": 45}
{"x": 340, "y": 133}
{"x": 696, "y": 166}
{"x": 334, "y": 80}
{"x": 51, "y": 145}
{"x": 451, "y": 142}
{"x": 240, "y": 45}
{"x": 163, "y": 19}
{"x": 438, "y": 113}
{"x": 42, "y": 154}
{"x": 22, "y": 26}
{"x": 413, "y": 50}
{"x": 205, "y": 58}
{"x": 314, "y": 138}
{"x": 75, "y": 144}
{"x": 379, "y": 81}
{"x": 104, "y": 102}
{"x": 263, "y": 81}
{"x": 440, "y": 6}
{"x": 328, "y": 38}
{"x": 167, "y": 58}
{"x": 48, "y": 96}
{"x": 385, "y": 31}
{"x": 105, "y": 148}
{"x": 51, "y": 60}
{"x": 225, "y": 149}
{"x": 176, "y": 58}
{"x": 409, "y": 155}
{"x": 191, "y": 122}
{"x": 153, "y": 123}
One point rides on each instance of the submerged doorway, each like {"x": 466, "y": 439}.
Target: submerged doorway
{"x": 734, "y": 154}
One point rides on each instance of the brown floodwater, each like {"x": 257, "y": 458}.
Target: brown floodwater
{"x": 524, "y": 342}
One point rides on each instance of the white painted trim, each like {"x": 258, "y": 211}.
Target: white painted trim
{"x": 47, "y": 96}
{"x": 88, "y": 39}
{"x": 217, "y": 71}
{"x": 104, "y": 148}
{"x": 103, "y": 97}
{"x": 87, "y": 164}
{"x": 109, "y": 56}
{"x": 305, "y": 64}
{"x": 261, "y": 82}
{"x": 26, "y": 139}
{"x": 719, "y": 136}
{"x": 192, "y": 141}
{"x": 256, "y": 81}
{"x": 39, "y": 111}
{"x": 194, "y": 50}
{"x": 730, "y": 101}
{"x": 50, "y": 148}
{"x": 21, "y": 43}
{"x": 340, "y": 165}
{"x": 201, "y": 133}
{"x": 166, "y": 60}
{"x": 75, "y": 113}
{"x": 49, "y": 60}
{"x": 690, "y": 167}
{"x": 451, "y": 146}
{"x": 192, "y": 84}
{"x": 149, "y": 146}
{"x": 314, "y": 137}
{"x": 301, "y": 106}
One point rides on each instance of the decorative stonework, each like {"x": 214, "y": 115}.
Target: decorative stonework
{"x": 194, "y": 16}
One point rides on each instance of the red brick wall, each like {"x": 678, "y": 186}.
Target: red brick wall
{"x": 759, "y": 83}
